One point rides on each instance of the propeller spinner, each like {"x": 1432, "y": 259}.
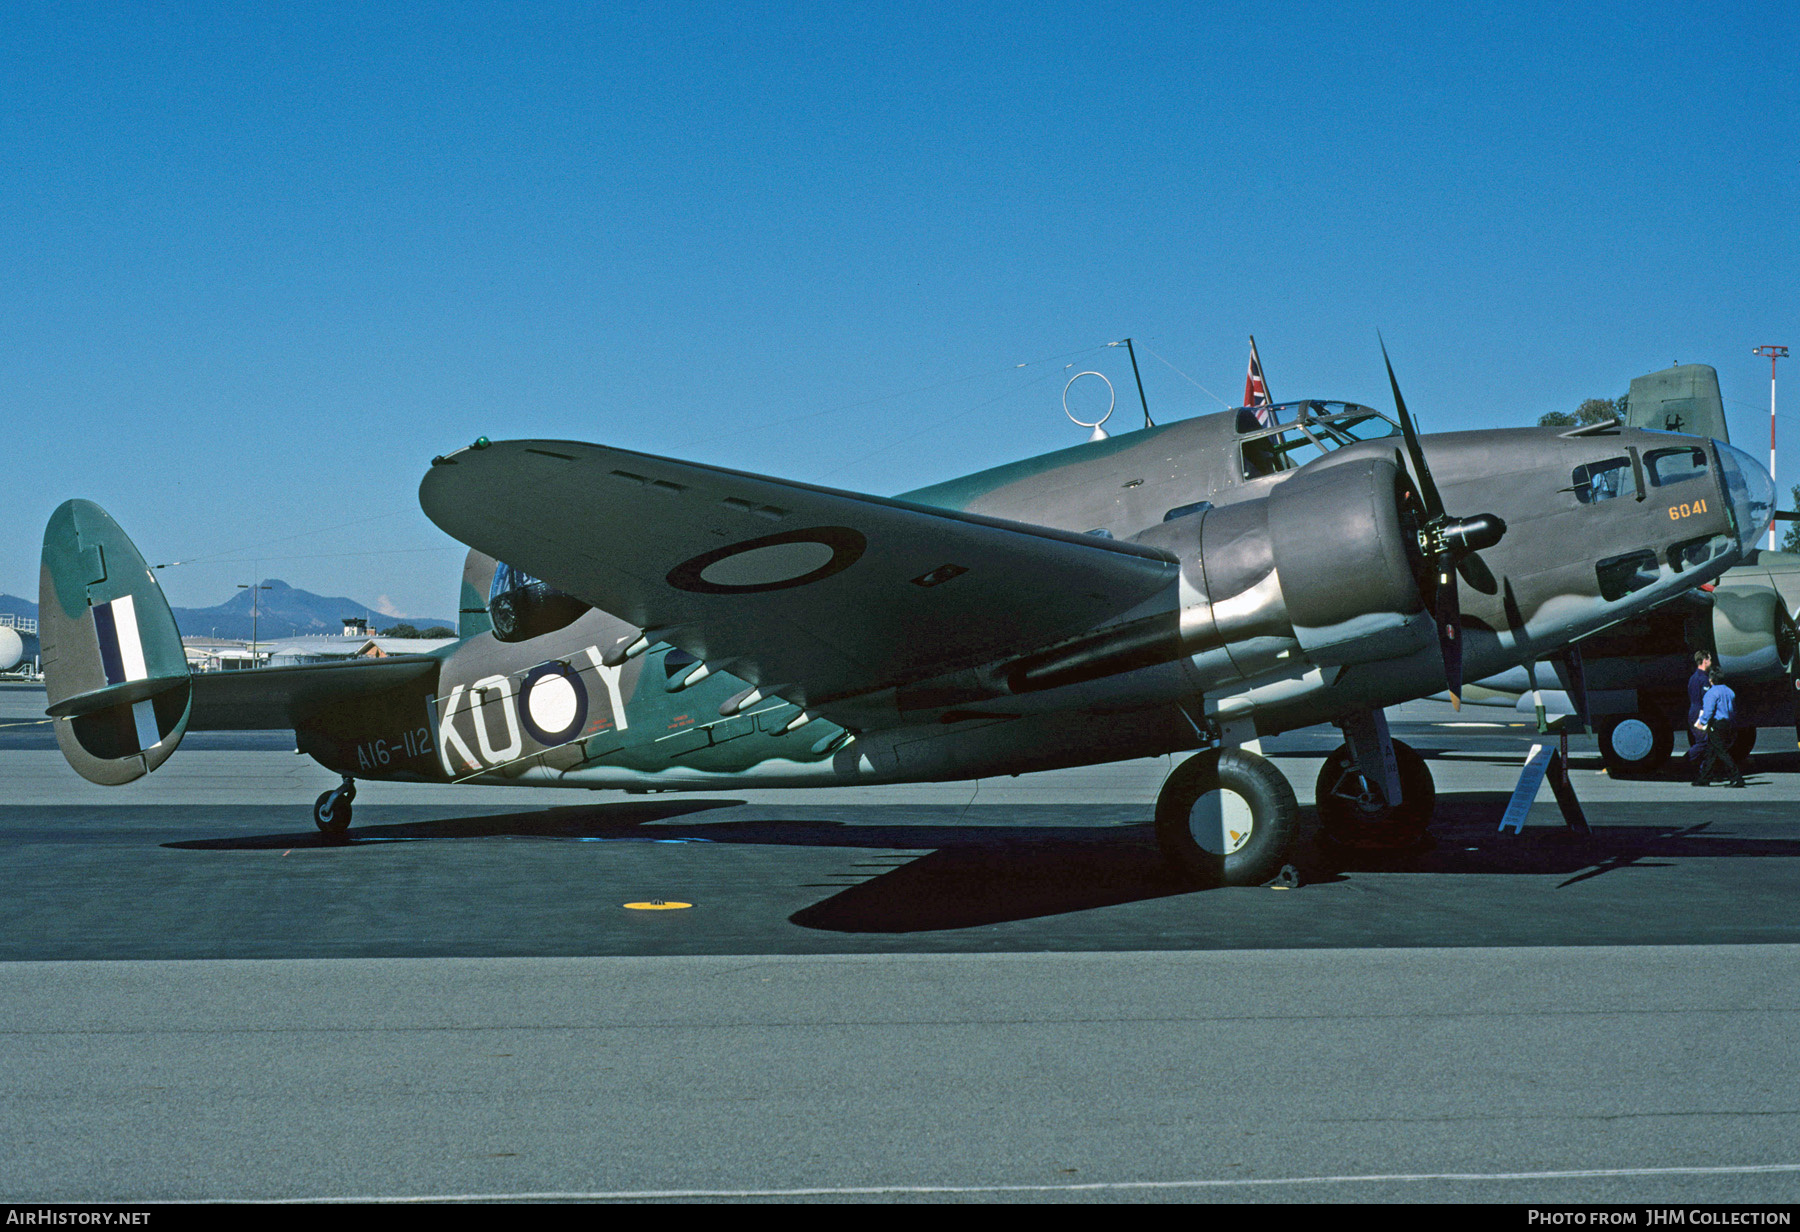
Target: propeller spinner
{"x": 1447, "y": 546}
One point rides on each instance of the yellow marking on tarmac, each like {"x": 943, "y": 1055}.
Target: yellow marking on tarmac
{"x": 657, "y": 904}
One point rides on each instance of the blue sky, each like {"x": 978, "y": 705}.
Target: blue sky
{"x": 262, "y": 262}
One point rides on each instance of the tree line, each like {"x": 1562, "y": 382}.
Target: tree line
{"x": 1592, "y": 411}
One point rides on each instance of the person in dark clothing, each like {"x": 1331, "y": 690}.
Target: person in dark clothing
{"x": 1717, "y": 714}
{"x": 1697, "y": 686}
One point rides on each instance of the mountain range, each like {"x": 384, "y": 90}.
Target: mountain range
{"x": 282, "y": 611}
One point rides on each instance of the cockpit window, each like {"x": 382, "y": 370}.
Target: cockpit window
{"x": 1600, "y": 481}
{"x": 1667, "y": 466}
{"x": 1288, "y": 435}
{"x": 1256, "y": 418}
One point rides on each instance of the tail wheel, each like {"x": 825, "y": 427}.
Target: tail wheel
{"x": 1635, "y": 746}
{"x": 1226, "y": 817}
{"x": 331, "y": 811}
{"x": 1353, "y": 812}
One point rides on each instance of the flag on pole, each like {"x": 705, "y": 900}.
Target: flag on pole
{"x": 1256, "y": 390}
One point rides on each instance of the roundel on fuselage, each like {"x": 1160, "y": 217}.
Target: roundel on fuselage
{"x": 552, "y": 703}
{"x": 772, "y": 562}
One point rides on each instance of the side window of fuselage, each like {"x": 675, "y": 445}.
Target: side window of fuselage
{"x": 1667, "y": 466}
{"x": 1600, "y": 481}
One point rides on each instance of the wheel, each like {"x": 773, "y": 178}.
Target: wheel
{"x": 1226, "y": 817}
{"x": 1742, "y": 744}
{"x": 1636, "y": 746}
{"x": 331, "y": 811}
{"x": 1352, "y": 813}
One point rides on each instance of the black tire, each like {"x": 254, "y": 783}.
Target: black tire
{"x": 1635, "y": 746}
{"x": 1355, "y": 817}
{"x": 1743, "y": 743}
{"x": 331, "y": 813}
{"x": 1196, "y": 828}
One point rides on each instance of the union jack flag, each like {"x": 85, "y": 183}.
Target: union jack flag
{"x": 1256, "y": 390}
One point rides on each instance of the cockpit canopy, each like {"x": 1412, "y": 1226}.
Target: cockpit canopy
{"x": 1288, "y": 435}
{"x": 522, "y": 607}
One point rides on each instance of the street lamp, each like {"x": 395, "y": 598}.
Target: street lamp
{"x": 255, "y": 607}
{"x": 1774, "y": 353}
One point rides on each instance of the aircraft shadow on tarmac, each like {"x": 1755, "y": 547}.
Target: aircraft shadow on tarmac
{"x": 972, "y": 874}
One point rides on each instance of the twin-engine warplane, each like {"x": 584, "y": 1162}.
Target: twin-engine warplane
{"x": 647, "y": 624}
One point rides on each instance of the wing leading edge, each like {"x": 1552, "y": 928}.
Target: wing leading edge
{"x": 812, "y": 592}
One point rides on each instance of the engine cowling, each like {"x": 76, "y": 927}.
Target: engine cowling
{"x": 1345, "y": 551}
{"x": 1753, "y": 636}
{"x": 1323, "y": 567}
{"x": 1324, "y": 564}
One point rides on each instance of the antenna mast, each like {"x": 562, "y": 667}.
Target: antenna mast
{"x": 1140, "y": 382}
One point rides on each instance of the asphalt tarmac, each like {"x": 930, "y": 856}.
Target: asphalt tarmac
{"x": 959, "y": 991}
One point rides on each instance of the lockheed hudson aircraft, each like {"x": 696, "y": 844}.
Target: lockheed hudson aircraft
{"x": 660, "y": 625}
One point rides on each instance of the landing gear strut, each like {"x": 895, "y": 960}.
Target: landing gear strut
{"x": 331, "y": 811}
{"x": 1374, "y": 792}
{"x": 1226, "y": 817}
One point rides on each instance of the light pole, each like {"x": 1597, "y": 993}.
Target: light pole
{"x": 1774, "y": 353}
{"x": 255, "y": 611}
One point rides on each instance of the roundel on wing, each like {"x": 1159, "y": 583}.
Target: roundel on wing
{"x": 552, "y": 703}
{"x": 773, "y": 562}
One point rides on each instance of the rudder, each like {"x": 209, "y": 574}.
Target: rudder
{"x": 115, "y": 674}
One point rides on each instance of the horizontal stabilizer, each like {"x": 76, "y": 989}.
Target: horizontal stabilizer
{"x": 115, "y": 674}
{"x": 273, "y": 698}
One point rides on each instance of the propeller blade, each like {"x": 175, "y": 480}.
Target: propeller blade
{"x": 1434, "y": 505}
{"x": 1448, "y": 614}
{"x": 1475, "y": 572}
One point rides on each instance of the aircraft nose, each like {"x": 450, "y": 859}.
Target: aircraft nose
{"x": 1751, "y": 492}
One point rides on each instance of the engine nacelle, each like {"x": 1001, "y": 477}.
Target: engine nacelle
{"x": 1322, "y": 567}
{"x": 1345, "y": 553}
{"x": 1753, "y": 637}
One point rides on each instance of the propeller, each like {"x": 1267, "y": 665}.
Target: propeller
{"x": 1447, "y": 546}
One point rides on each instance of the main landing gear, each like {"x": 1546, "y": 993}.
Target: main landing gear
{"x": 1374, "y": 792}
{"x": 331, "y": 811}
{"x": 1636, "y": 746}
{"x": 1226, "y": 817}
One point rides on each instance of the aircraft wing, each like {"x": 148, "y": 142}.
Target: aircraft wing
{"x": 814, "y": 593}
{"x": 270, "y": 698}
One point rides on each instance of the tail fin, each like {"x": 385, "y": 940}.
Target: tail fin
{"x": 114, "y": 671}
{"x": 1684, "y": 398}
{"x": 478, "y": 577}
